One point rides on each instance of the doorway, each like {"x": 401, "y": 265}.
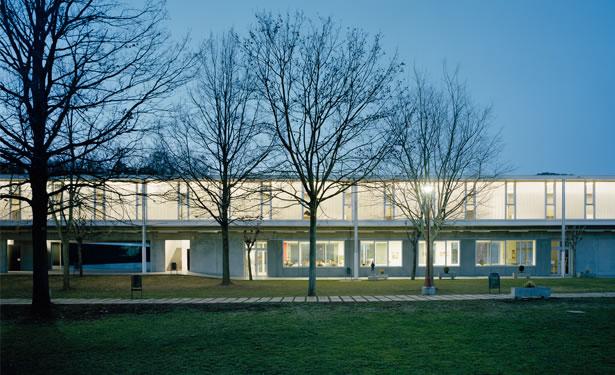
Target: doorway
{"x": 259, "y": 259}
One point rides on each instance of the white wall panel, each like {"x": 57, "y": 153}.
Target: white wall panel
{"x": 575, "y": 200}
{"x": 605, "y": 200}
{"x": 530, "y": 200}
{"x": 490, "y": 201}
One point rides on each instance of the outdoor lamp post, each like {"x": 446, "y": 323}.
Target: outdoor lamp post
{"x": 427, "y": 191}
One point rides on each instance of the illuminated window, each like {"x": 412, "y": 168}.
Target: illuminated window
{"x": 99, "y": 204}
{"x": 505, "y": 253}
{"x": 470, "y": 203}
{"x": 15, "y": 205}
{"x": 589, "y": 200}
{"x": 510, "y": 200}
{"x": 445, "y": 253}
{"x": 389, "y": 192}
{"x": 550, "y": 199}
{"x": 347, "y": 197}
{"x": 382, "y": 253}
{"x": 328, "y": 253}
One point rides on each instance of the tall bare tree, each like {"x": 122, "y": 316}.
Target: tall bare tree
{"x": 327, "y": 92}
{"x": 98, "y": 60}
{"x": 445, "y": 151}
{"x": 218, "y": 144}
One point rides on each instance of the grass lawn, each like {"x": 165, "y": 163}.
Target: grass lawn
{"x": 166, "y": 286}
{"x": 381, "y": 338}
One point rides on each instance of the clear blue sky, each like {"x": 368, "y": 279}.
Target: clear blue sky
{"x": 547, "y": 67}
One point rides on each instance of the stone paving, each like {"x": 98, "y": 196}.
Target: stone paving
{"x": 283, "y": 300}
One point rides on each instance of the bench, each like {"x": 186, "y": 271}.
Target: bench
{"x": 450, "y": 275}
{"x": 376, "y": 277}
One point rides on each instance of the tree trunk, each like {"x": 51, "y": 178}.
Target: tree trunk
{"x": 428, "y": 260}
{"x": 65, "y": 263}
{"x": 41, "y": 301}
{"x": 249, "y": 264}
{"x": 312, "y": 269}
{"x": 226, "y": 274}
{"x": 80, "y": 256}
{"x": 415, "y": 250}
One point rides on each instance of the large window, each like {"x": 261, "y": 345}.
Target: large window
{"x": 505, "y": 253}
{"x": 445, "y": 253}
{"x": 382, "y": 253}
{"x": 328, "y": 253}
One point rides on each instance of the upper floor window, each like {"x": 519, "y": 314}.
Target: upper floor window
{"x": 15, "y": 205}
{"x": 550, "y": 199}
{"x": 389, "y": 203}
{"x": 511, "y": 197}
{"x": 347, "y": 198}
{"x": 266, "y": 200}
{"x": 470, "y": 203}
{"x": 183, "y": 201}
{"x": 589, "y": 200}
{"x": 99, "y": 204}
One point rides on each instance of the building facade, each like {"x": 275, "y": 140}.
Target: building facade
{"x": 515, "y": 221}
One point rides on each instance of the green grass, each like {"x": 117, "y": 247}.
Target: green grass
{"x": 381, "y": 338}
{"x": 166, "y": 286}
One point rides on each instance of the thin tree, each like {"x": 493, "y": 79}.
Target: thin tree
{"x": 98, "y": 60}
{"x": 250, "y": 236}
{"x": 445, "y": 151}
{"x": 574, "y": 235}
{"x": 326, "y": 92}
{"x": 218, "y": 144}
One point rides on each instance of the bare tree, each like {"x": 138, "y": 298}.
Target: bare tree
{"x": 444, "y": 153}
{"x": 250, "y": 236}
{"x": 327, "y": 93}
{"x": 218, "y": 143}
{"x": 97, "y": 60}
{"x": 574, "y": 235}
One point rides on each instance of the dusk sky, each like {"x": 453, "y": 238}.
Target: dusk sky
{"x": 546, "y": 67}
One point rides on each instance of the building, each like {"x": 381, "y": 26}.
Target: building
{"x": 518, "y": 221}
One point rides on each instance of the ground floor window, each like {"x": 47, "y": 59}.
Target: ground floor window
{"x": 382, "y": 253}
{"x": 328, "y": 253}
{"x": 505, "y": 253}
{"x": 445, "y": 253}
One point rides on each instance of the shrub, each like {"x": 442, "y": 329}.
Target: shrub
{"x": 446, "y": 269}
{"x": 529, "y": 284}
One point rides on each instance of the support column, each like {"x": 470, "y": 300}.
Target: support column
{"x": 563, "y": 243}
{"x": 355, "y": 222}
{"x": 144, "y": 227}
{"x": 4, "y": 260}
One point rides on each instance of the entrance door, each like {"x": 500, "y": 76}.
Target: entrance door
{"x": 260, "y": 263}
{"x": 555, "y": 255}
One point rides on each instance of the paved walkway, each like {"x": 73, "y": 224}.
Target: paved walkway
{"x": 283, "y": 300}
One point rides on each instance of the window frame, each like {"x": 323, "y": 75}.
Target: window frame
{"x": 365, "y": 264}
{"x": 423, "y": 262}
{"x": 503, "y": 260}
{"x": 341, "y": 250}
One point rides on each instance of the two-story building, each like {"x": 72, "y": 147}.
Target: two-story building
{"x": 516, "y": 221}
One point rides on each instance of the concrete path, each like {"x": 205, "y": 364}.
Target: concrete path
{"x": 284, "y": 300}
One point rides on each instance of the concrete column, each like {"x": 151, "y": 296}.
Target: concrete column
{"x": 4, "y": 260}
{"x": 355, "y": 222}
{"x": 563, "y": 243}
{"x": 144, "y": 228}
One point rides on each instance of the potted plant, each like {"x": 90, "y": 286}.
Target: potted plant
{"x": 530, "y": 290}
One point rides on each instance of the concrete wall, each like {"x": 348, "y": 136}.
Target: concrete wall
{"x": 206, "y": 254}
{"x": 596, "y": 254}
